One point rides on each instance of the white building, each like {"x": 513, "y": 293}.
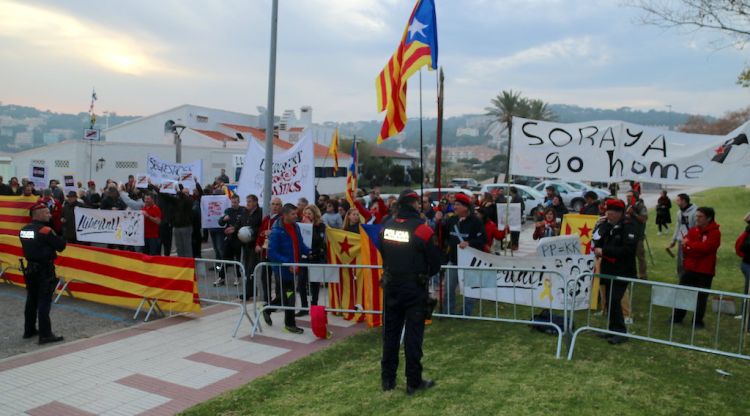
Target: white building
{"x": 215, "y": 136}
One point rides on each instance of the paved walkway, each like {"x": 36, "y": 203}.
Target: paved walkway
{"x": 157, "y": 368}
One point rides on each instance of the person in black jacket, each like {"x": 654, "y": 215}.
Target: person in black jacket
{"x": 182, "y": 223}
{"x": 615, "y": 242}
{"x": 232, "y": 248}
{"x": 311, "y": 215}
{"x": 40, "y": 244}
{"x": 591, "y": 207}
{"x": 253, "y": 217}
{"x": 410, "y": 256}
{"x": 196, "y": 238}
{"x": 464, "y": 229}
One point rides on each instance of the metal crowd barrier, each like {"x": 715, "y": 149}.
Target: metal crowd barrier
{"x": 671, "y": 298}
{"x": 489, "y": 276}
{"x": 231, "y": 291}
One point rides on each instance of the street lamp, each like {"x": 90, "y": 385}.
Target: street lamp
{"x": 177, "y": 129}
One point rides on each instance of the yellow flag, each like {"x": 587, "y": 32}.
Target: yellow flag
{"x": 333, "y": 150}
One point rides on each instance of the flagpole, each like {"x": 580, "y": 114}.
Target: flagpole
{"x": 439, "y": 139}
{"x": 268, "y": 171}
{"x": 421, "y": 146}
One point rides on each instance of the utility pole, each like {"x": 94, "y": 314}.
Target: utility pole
{"x": 268, "y": 165}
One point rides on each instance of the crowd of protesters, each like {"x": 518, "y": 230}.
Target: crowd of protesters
{"x": 458, "y": 221}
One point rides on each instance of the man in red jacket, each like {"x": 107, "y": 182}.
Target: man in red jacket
{"x": 261, "y": 249}
{"x": 699, "y": 249}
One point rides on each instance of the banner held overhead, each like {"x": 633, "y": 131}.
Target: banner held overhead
{"x": 613, "y": 151}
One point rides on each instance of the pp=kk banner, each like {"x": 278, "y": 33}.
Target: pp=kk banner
{"x": 538, "y": 288}
{"x": 109, "y": 227}
{"x": 612, "y": 151}
{"x": 116, "y": 277}
{"x": 162, "y": 172}
{"x": 293, "y": 171}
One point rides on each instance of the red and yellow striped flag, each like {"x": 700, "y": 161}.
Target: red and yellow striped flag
{"x": 418, "y": 47}
{"x": 369, "y": 279}
{"x": 333, "y": 150}
{"x": 116, "y": 277}
{"x": 14, "y": 213}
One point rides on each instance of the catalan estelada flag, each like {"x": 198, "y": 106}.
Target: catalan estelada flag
{"x": 583, "y": 226}
{"x": 369, "y": 279}
{"x": 116, "y": 277}
{"x": 351, "y": 176}
{"x": 14, "y": 213}
{"x": 418, "y": 47}
{"x": 343, "y": 248}
{"x": 333, "y": 150}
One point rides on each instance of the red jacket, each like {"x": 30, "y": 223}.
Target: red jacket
{"x": 738, "y": 245}
{"x": 382, "y": 211}
{"x": 265, "y": 226}
{"x": 492, "y": 233}
{"x": 699, "y": 252}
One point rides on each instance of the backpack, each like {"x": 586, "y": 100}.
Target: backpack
{"x": 544, "y": 316}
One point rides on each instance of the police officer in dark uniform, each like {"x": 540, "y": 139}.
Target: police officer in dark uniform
{"x": 410, "y": 255}
{"x": 615, "y": 243}
{"x": 40, "y": 244}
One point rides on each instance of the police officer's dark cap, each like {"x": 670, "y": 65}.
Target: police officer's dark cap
{"x": 407, "y": 196}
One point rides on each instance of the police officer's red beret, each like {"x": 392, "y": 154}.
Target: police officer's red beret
{"x": 615, "y": 205}
{"x": 463, "y": 198}
{"x": 38, "y": 205}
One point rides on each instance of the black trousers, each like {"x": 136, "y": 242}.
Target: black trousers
{"x": 250, "y": 260}
{"x": 288, "y": 299}
{"x": 695, "y": 280}
{"x": 616, "y": 318}
{"x": 40, "y": 286}
{"x": 404, "y": 307}
{"x": 271, "y": 282}
{"x": 302, "y": 287}
{"x": 232, "y": 251}
{"x": 165, "y": 235}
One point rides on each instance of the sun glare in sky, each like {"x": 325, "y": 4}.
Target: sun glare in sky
{"x": 50, "y": 32}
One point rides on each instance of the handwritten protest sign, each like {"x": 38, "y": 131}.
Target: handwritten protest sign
{"x": 109, "y": 227}
{"x": 612, "y": 151}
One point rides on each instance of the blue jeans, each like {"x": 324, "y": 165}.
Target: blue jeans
{"x": 152, "y": 246}
{"x": 451, "y": 291}
{"x": 217, "y": 241}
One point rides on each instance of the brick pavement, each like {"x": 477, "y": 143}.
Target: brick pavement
{"x": 157, "y": 368}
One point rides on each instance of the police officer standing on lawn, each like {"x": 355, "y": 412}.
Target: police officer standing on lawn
{"x": 615, "y": 242}
{"x": 40, "y": 244}
{"x": 410, "y": 256}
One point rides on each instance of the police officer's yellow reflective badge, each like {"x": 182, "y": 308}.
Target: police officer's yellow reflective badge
{"x": 398, "y": 236}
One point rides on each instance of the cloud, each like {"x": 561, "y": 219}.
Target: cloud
{"x": 579, "y": 51}
{"x": 56, "y": 33}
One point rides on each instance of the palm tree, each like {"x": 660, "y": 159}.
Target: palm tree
{"x": 539, "y": 110}
{"x": 506, "y": 105}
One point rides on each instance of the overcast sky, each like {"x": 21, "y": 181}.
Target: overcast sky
{"x": 145, "y": 56}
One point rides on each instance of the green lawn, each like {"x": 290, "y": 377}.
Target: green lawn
{"x": 497, "y": 368}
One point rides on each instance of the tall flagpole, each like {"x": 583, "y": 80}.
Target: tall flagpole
{"x": 439, "y": 138}
{"x": 268, "y": 169}
{"x": 421, "y": 146}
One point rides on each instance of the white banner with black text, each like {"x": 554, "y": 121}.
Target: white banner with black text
{"x": 612, "y": 151}
{"x": 109, "y": 227}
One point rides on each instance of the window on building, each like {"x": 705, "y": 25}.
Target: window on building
{"x": 201, "y": 119}
{"x": 126, "y": 164}
{"x": 37, "y": 162}
{"x": 62, "y": 163}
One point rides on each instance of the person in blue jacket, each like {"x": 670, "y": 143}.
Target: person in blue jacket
{"x": 286, "y": 246}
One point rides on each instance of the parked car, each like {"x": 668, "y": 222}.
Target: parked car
{"x": 572, "y": 197}
{"x": 600, "y": 193}
{"x": 533, "y": 200}
{"x": 466, "y": 183}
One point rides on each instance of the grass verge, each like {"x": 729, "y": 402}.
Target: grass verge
{"x": 504, "y": 369}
